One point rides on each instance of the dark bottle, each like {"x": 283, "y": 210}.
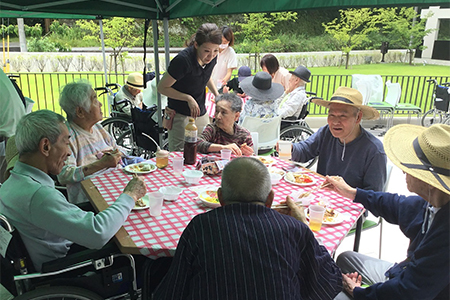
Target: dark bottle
{"x": 190, "y": 143}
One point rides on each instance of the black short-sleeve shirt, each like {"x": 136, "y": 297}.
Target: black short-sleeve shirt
{"x": 190, "y": 78}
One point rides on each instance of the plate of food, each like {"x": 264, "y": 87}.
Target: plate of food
{"x": 141, "y": 203}
{"x": 209, "y": 198}
{"x": 276, "y": 171}
{"x": 330, "y": 216}
{"x": 267, "y": 160}
{"x": 140, "y": 168}
{"x": 301, "y": 179}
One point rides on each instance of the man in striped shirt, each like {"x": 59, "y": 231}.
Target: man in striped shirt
{"x": 245, "y": 250}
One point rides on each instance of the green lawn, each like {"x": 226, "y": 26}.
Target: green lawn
{"x": 385, "y": 69}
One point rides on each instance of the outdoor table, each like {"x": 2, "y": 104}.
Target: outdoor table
{"x": 210, "y": 104}
{"x": 158, "y": 236}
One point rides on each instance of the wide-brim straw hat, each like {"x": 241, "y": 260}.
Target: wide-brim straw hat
{"x": 136, "y": 80}
{"x": 349, "y": 96}
{"x": 11, "y": 153}
{"x": 423, "y": 153}
{"x": 261, "y": 87}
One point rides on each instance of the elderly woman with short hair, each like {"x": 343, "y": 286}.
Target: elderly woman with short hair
{"x": 89, "y": 142}
{"x": 224, "y": 133}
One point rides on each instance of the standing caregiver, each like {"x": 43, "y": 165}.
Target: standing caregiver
{"x": 184, "y": 83}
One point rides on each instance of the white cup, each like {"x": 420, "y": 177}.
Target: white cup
{"x": 225, "y": 154}
{"x": 255, "y": 137}
{"x": 316, "y": 213}
{"x": 155, "y": 203}
{"x": 284, "y": 149}
{"x": 177, "y": 165}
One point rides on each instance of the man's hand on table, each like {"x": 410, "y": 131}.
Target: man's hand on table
{"x": 136, "y": 188}
{"x": 338, "y": 184}
{"x": 350, "y": 281}
{"x": 293, "y": 210}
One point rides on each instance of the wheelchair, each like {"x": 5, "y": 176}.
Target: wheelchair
{"x": 138, "y": 133}
{"x": 296, "y": 130}
{"x": 88, "y": 274}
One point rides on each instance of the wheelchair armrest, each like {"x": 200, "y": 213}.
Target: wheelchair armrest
{"x": 75, "y": 258}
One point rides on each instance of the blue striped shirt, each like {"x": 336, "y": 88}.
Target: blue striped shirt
{"x": 248, "y": 251}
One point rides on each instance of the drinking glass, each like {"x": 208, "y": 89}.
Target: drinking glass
{"x": 316, "y": 213}
{"x": 155, "y": 203}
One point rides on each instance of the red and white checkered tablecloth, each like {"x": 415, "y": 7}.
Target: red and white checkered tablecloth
{"x": 210, "y": 104}
{"x": 158, "y": 236}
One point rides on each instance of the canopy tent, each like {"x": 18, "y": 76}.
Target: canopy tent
{"x": 172, "y": 9}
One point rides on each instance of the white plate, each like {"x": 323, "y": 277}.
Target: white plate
{"x": 204, "y": 197}
{"x": 145, "y": 200}
{"x": 338, "y": 218}
{"x": 289, "y": 177}
{"x": 267, "y": 160}
{"x": 137, "y": 168}
{"x": 276, "y": 170}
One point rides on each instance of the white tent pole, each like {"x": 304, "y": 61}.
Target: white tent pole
{"x": 166, "y": 40}
{"x": 158, "y": 95}
{"x": 102, "y": 38}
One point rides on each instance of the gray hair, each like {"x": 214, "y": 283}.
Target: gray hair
{"x": 245, "y": 179}
{"x": 35, "y": 126}
{"x": 233, "y": 99}
{"x": 74, "y": 95}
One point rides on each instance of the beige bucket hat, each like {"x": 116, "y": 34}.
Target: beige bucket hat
{"x": 349, "y": 96}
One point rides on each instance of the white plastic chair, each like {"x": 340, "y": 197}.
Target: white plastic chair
{"x": 268, "y": 130}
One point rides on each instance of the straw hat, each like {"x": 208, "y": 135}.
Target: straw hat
{"x": 260, "y": 87}
{"x": 136, "y": 80}
{"x": 11, "y": 153}
{"x": 423, "y": 153}
{"x": 349, "y": 96}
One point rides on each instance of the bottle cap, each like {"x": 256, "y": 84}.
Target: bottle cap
{"x": 162, "y": 153}
{"x": 191, "y": 120}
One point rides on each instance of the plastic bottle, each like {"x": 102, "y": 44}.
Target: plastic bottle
{"x": 190, "y": 143}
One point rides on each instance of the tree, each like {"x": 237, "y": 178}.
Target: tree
{"x": 403, "y": 28}
{"x": 118, "y": 33}
{"x": 257, "y": 27}
{"x": 351, "y": 29}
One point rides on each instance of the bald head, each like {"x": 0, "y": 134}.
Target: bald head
{"x": 245, "y": 180}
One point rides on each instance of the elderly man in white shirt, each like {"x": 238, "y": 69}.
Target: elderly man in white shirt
{"x": 291, "y": 102}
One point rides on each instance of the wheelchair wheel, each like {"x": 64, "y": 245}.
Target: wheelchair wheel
{"x": 116, "y": 126}
{"x": 59, "y": 292}
{"x": 297, "y": 133}
{"x": 433, "y": 116}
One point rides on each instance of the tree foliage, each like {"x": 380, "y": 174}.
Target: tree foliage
{"x": 352, "y": 28}
{"x": 256, "y": 27}
{"x": 118, "y": 33}
{"x": 404, "y": 27}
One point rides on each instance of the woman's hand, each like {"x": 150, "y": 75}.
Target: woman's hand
{"x": 234, "y": 148}
{"x": 193, "y": 106}
{"x": 292, "y": 210}
{"x": 350, "y": 281}
{"x": 111, "y": 158}
{"x": 246, "y": 150}
{"x": 338, "y": 184}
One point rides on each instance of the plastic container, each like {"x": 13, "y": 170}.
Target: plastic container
{"x": 162, "y": 159}
{"x": 192, "y": 176}
{"x": 170, "y": 193}
{"x": 275, "y": 178}
{"x": 190, "y": 143}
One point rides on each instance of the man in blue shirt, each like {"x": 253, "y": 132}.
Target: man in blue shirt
{"x": 246, "y": 250}
{"x": 345, "y": 148}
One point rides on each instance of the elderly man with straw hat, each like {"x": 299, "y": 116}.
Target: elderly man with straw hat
{"x": 343, "y": 146}
{"x": 424, "y": 155}
{"x": 132, "y": 91}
